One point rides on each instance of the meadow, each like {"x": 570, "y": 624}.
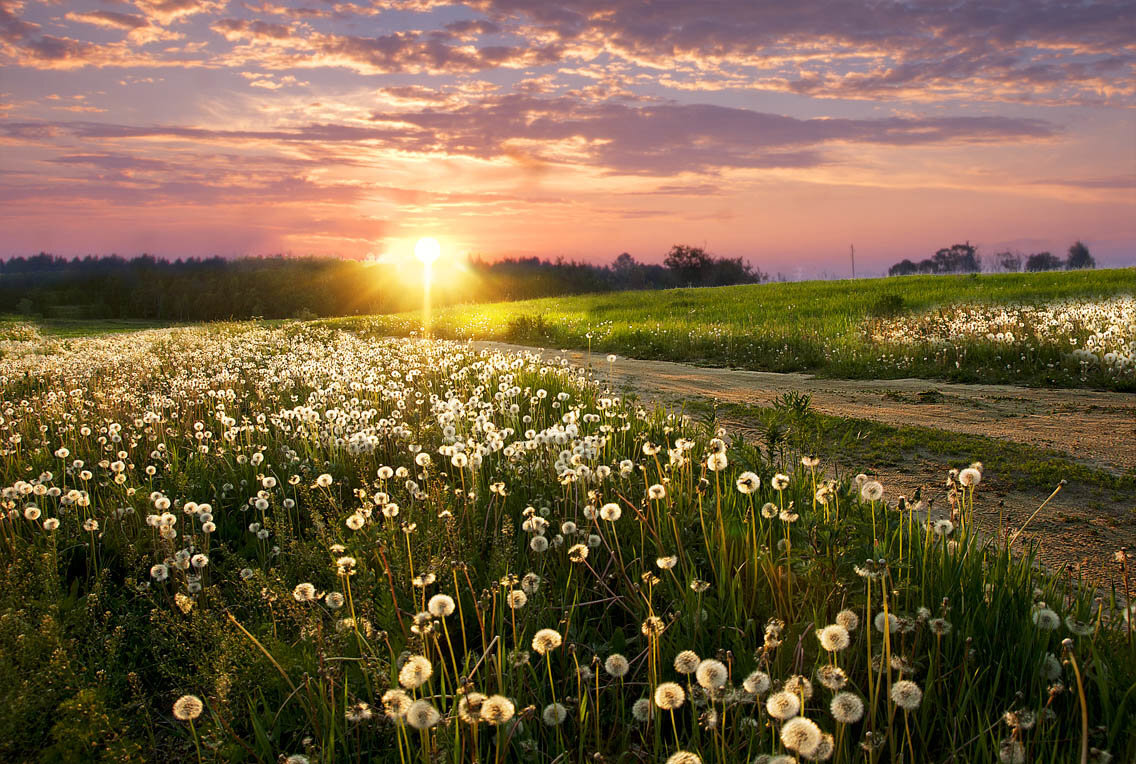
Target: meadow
{"x": 1063, "y": 329}
{"x": 300, "y": 543}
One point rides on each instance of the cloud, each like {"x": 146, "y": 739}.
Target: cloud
{"x": 662, "y": 139}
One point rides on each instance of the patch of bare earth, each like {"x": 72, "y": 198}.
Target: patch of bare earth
{"x": 1077, "y": 531}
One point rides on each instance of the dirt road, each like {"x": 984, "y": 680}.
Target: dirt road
{"x": 1077, "y": 529}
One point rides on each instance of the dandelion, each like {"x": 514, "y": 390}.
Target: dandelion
{"x": 324, "y": 480}
{"x": 783, "y": 705}
{"x": 891, "y": 620}
{"x": 970, "y": 477}
{"x": 188, "y": 707}
{"x": 31, "y": 512}
{"x": 578, "y": 553}
{"x": 516, "y": 599}
{"x": 656, "y": 492}
{"x": 684, "y": 757}
{"x": 50, "y": 524}
{"x": 711, "y": 674}
{"x": 610, "y": 512}
{"x": 1078, "y": 628}
{"x": 1045, "y": 619}
{"x": 497, "y": 709}
{"x": 779, "y": 482}
{"x": 546, "y": 640}
{"x": 554, "y": 714}
{"x": 441, "y": 605}
{"x": 756, "y": 683}
{"x": 90, "y": 525}
{"x": 801, "y": 735}
{"x": 669, "y": 696}
{"x": 716, "y": 462}
{"x": 833, "y": 638}
{"x": 617, "y": 666}
{"x": 540, "y": 544}
{"x": 846, "y": 708}
{"x": 359, "y": 712}
{"x": 641, "y": 710}
{"x": 335, "y": 600}
{"x": 848, "y": 619}
{"x": 159, "y": 572}
{"x": 422, "y": 715}
{"x": 396, "y": 703}
{"x": 748, "y": 482}
{"x": 872, "y": 490}
{"x": 906, "y": 694}
{"x": 943, "y": 527}
{"x": 1011, "y": 752}
{"x": 939, "y": 626}
{"x": 415, "y": 672}
{"x": 832, "y": 677}
{"x": 687, "y": 662}
{"x": 666, "y": 563}
{"x": 355, "y": 521}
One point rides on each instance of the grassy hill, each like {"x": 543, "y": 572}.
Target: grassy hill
{"x": 870, "y": 328}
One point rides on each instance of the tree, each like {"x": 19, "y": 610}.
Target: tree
{"x": 959, "y": 258}
{"x": 1079, "y": 257}
{"x": 689, "y": 264}
{"x": 903, "y": 268}
{"x": 1010, "y": 262}
{"x": 1043, "y": 261}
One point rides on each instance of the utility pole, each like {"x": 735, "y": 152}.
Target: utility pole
{"x": 851, "y": 247}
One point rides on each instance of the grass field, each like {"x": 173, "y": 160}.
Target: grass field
{"x": 242, "y": 543}
{"x": 871, "y": 328}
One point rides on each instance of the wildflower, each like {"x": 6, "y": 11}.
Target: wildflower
{"x": 756, "y": 683}
{"x": 779, "y": 482}
{"x": 334, "y": 600}
{"x": 355, "y": 521}
{"x": 666, "y": 563}
{"x": 684, "y": 757}
{"x": 469, "y": 707}
{"x": 497, "y": 709}
{"x": 810, "y": 461}
{"x": 653, "y": 626}
{"x": 530, "y": 584}
{"x": 546, "y": 640}
{"x": 848, "y": 619}
{"x": 31, "y": 512}
{"x": 783, "y": 705}
{"x": 716, "y": 462}
{"x": 939, "y": 626}
{"x": 50, "y": 524}
{"x": 872, "y": 490}
{"x": 441, "y": 605}
{"x": 833, "y": 638}
{"x": 943, "y": 527}
{"x": 801, "y": 735}
{"x": 345, "y": 566}
{"x": 799, "y": 685}
{"x": 906, "y": 694}
{"x": 578, "y": 553}
{"x": 656, "y": 492}
{"x": 1078, "y": 628}
{"x": 832, "y": 677}
{"x": 641, "y": 710}
{"x": 1044, "y": 618}
{"x": 188, "y": 707}
{"x": 669, "y": 696}
{"x": 610, "y": 512}
{"x": 769, "y": 510}
{"x": 892, "y": 622}
{"x": 554, "y": 714}
{"x": 305, "y": 593}
{"x": 970, "y": 477}
{"x": 396, "y": 703}
{"x": 686, "y": 662}
{"x": 324, "y": 480}
{"x": 160, "y": 572}
{"x": 539, "y": 544}
{"x": 415, "y": 672}
{"x": 748, "y": 482}
{"x": 90, "y": 525}
{"x": 617, "y": 665}
{"x": 360, "y": 712}
{"x": 846, "y": 708}
{"x": 422, "y": 715}
{"x": 516, "y": 599}
{"x": 711, "y": 674}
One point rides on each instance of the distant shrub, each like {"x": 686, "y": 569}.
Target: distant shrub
{"x": 528, "y": 328}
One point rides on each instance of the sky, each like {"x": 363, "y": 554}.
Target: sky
{"x": 781, "y": 131}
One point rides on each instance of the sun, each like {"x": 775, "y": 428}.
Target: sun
{"x": 427, "y": 250}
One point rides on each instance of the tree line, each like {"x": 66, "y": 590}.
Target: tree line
{"x": 964, "y": 258}
{"x": 214, "y": 288}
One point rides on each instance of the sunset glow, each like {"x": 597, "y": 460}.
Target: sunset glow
{"x": 780, "y": 132}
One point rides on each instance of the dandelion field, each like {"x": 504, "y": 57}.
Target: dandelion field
{"x": 300, "y": 543}
{"x": 1074, "y": 329}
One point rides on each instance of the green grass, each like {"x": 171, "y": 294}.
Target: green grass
{"x": 73, "y": 327}
{"x": 813, "y": 326}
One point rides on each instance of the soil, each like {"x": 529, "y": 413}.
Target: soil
{"x": 1077, "y": 530}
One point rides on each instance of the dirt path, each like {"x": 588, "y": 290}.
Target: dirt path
{"x": 1077, "y": 530}
{"x": 1097, "y": 428}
